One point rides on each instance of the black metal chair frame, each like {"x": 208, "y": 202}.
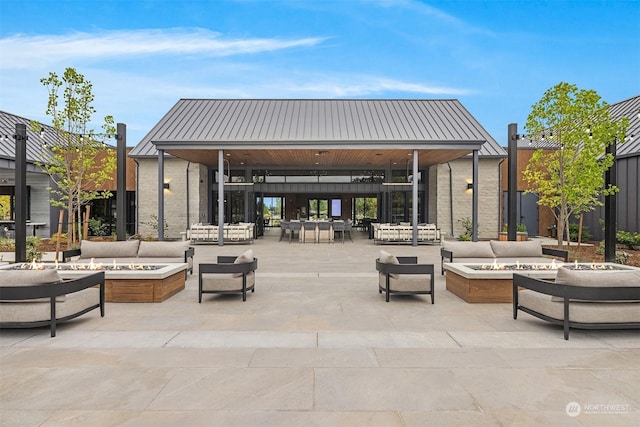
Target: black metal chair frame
{"x": 572, "y": 292}
{"x": 408, "y": 265}
{"x": 51, "y": 291}
{"x": 225, "y": 265}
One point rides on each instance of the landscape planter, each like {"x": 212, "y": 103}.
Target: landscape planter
{"x": 520, "y": 236}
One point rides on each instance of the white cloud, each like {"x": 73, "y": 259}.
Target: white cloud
{"x": 48, "y": 49}
{"x": 358, "y": 85}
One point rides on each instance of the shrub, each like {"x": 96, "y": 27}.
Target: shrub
{"x": 631, "y": 240}
{"x": 468, "y": 229}
{"x": 33, "y": 249}
{"x": 573, "y": 232}
{"x": 97, "y": 227}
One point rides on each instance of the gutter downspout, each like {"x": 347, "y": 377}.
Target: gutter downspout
{"x": 451, "y": 197}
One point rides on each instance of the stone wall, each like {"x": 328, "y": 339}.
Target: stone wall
{"x": 440, "y": 196}
{"x": 175, "y": 198}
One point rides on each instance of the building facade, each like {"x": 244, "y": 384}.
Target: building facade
{"x": 318, "y": 159}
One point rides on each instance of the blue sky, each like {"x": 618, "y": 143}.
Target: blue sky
{"x": 496, "y": 57}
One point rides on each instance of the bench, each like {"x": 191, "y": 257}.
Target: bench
{"x": 132, "y": 252}
{"x": 527, "y": 252}
{"x": 581, "y": 299}
{"x": 35, "y": 298}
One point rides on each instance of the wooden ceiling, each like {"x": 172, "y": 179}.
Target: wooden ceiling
{"x": 312, "y": 159}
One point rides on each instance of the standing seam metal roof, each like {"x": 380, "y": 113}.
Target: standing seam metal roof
{"x": 317, "y": 120}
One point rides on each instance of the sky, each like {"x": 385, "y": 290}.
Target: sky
{"x": 142, "y": 56}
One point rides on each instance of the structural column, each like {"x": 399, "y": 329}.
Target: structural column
{"x": 474, "y": 206}
{"x": 610, "y": 213}
{"x": 512, "y": 181}
{"x": 220, "y": 198}
{"x": 160, "y": 195}
{"x": 414, "y": 204}
{"x": 21, "y": 192}
{"x": 121, "y": 185}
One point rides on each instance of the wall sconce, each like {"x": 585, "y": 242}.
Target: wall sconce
{"x": 469, "y": 185}
{"x": 165, "y": 186}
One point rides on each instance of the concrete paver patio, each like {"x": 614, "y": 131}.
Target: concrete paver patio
{"x": 316, "y": 344}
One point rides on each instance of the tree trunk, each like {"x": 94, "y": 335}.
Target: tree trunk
{"x": 580, "y": 231}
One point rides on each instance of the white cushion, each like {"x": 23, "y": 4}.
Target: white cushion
{"x": 243, "y": 258}
{"x": 126, "y": 248}
{"x": 387, "y": 258}
{"x": 529, "y": 248}
{"x": 470, "y": 249}
{"x": 162, "y": 249}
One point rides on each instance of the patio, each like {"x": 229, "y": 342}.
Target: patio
{"x": 316, "y": 344}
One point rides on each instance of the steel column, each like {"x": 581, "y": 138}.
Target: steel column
{"x": 21, "y": 192}
{"x": 414, "y": 216}
{"x": 474, "y": 207}
{"x": 610, "y": 214}
{"x": 121, "y": 184}
{"x": 512, "y": 182}
{"x": 160, "y": 195}
{"x": 221, "y": 197}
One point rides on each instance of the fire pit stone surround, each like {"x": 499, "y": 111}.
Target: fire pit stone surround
{"x": 477, "y": 283}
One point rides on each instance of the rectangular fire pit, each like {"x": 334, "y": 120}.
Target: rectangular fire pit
{"x": 478, "y": 283}
{"x": 124, "y": 283}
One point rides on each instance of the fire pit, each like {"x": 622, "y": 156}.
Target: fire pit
{"x": 124, "y": 282}
{"x": 490, "y": 283}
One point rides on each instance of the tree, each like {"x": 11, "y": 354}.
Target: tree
{"x": 576, "y": 128}
{"x": 73, "y": 164}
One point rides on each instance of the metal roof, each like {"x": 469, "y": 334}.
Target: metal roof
{"x": 36, "y": 151}
{"x": 629, "y": 108}
{"x": 349, "y": 123}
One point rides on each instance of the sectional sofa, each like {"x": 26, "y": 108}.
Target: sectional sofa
{"x": 485, "y": 252}
{"x": 132, "y": 251}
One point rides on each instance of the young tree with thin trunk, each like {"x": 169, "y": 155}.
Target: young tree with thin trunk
{"x": 73, "y": 164}
{"x": 575, "y": 127}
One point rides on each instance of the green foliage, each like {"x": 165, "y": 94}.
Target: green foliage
{"x": 631, "y": 240}
{"x": 97, "y": 227}
{"x": 570, "y": 177}
{"x": 33, "y": 249}
{"x": 520, "y": 228}
{"x": 467, "y": 224}
{"x": 153, "y": 223}
{"x": 621, "y": 256}
{"x": 574, "y": 229}
{"x": 7, "y": 244}
{"x": 75, "y": 166}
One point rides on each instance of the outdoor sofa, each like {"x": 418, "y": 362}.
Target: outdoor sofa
{"x": 581, "y": 299}
{"x": 35, "y": 298}
{"x": 242, "y": 232}
{"x": 404, "y": 276}
{"x": 231, "y": 275}
{"x": 132, "y": 251}
{"x": 503, "y": 252}
{"x": 403, "y": 232}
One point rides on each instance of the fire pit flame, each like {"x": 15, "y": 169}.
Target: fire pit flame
{"x": 553, "y": 265}
{"x": 91, "y": 266}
